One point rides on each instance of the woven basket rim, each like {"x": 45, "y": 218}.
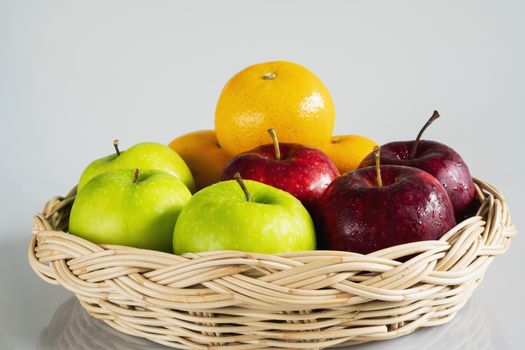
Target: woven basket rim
{"x": 58, "y": 203}
{"x": 325, "y": 298}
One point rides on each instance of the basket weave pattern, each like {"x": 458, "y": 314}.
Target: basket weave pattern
{"x": 306, "y": 300}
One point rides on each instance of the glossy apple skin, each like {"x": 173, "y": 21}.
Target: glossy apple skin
{"x": 144, "y": 156}
{"x": 219, "y": 217}
{"x": 303, "y": 171}
{"x": 357, "y": 216}
{"x": 112, "y": 209}
{"x": 439, "y": 160}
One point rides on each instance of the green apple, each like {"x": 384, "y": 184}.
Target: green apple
{"x": 145, "y": 156}
{"x": 263, "y": 219}
{"x": 128, "y": 207}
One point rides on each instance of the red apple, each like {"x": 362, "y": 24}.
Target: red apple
{"x": 370, "y": 209}
{"x": 304, "y": 172}
{"x": 439, "y": 160}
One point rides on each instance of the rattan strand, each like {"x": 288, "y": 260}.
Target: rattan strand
{"x": 306, "y": 300}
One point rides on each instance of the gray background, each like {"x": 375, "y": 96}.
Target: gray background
{"x": 74, "y": 75}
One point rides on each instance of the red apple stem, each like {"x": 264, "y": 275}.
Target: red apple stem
{"x": 136, "y": 174}
{"x": 115, "y": 144}
{"x": 377, "y": 152}
{"x": 241, "y": 183}
{"x": 413, "y": 151}
{"x": 273, "y": 135}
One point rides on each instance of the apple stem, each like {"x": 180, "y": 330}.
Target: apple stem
{"x": 115, "y": 144}
{"x": 413, "y": 151}
{"x": 377, "y": 151}
{"x": 273, "y": 135}
{"x": 241, "y": 183}
{"x": 136, "y": 174}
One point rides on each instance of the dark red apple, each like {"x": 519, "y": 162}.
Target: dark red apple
{"x": 362, "y": 211}
{"x": 439, "y": 160}
{"x": 304, "y": 172}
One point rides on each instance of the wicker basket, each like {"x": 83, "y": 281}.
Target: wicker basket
{"x": 238, "y": 300}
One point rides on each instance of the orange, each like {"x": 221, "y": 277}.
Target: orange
{"x": 347, "y": 151}
{"x": 280, "y": 95}
{"x": 204, "y": 156}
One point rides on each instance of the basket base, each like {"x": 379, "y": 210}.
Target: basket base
{"x": 72, "y": 327}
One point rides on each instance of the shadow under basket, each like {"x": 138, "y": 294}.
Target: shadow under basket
{"x": 303, "y": 300}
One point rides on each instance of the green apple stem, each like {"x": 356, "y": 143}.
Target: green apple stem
{"x": 413, "y": 151}
{"x": 241, "y": 183}
{"x": 377, "y": 152}
{"x": 136, "y": 174}
{"x": 115, "y": 144}
{"x": 273, "y": 135}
